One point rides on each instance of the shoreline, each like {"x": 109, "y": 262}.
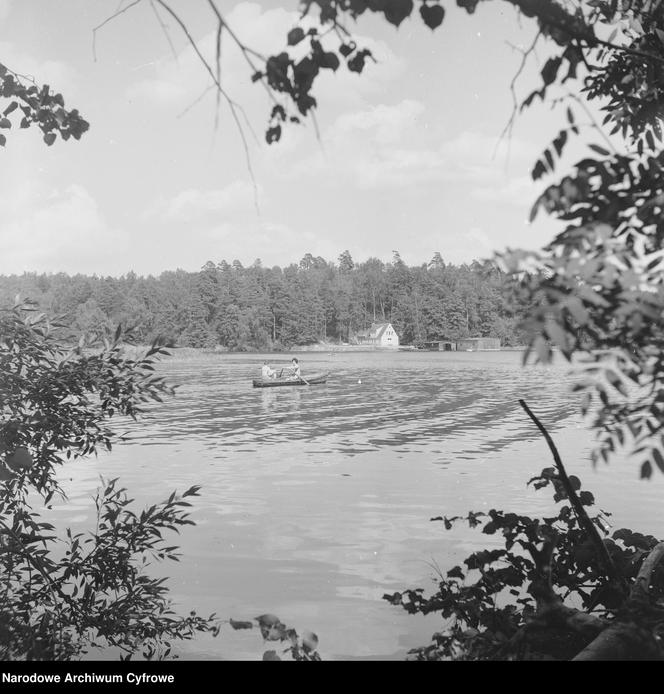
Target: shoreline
{"x": 191, "y": 352}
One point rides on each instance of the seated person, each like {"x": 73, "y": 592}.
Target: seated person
{"x": 267, "y": 372}
{"x": 295, "y": 369}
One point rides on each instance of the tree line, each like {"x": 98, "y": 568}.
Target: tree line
{"x": 256, "y": 307}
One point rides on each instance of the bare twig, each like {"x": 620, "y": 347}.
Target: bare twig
{"x": 164, "y": 28}
{"x": 218, "y": 33}
{"x": 507, "y": 130}
{"x": 247, "y": 122}
{"x": 314, "y": 120}
{"x": 119, "y": 11}
{"x": 630, "y": 51}
{"x": 245, "y": 50}
{"x": 233, "y": 107}
{"x": 580, "y": 512}
{"x": 21, "y": 76}
{"x": 196, "y": 101}
{"x": 338, "y": 26}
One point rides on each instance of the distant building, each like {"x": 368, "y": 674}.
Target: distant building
{"x": 468, "y": 344}
{"x": 478, "y": 344}
{"x": 378, "y": 335}
{"x": 440, "y": 346}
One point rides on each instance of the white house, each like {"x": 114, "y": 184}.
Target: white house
{"x": 378, "y": 335}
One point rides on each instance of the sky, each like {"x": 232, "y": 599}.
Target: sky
{"x": 410, "y": 156}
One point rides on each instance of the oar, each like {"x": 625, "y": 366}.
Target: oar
{"x": 302, "y": 378}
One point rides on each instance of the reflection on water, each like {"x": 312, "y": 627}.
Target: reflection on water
{"x": 316, "y": 500}
{"x": 369, "y": 402}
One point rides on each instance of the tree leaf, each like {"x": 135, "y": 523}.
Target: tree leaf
{"x": 272, "y": 629}
{"x": 575, "y": 482}
{"x": 432, "y": 15}
{"x": 309, "y": 641}
{"x": 295, "y": 36}
{"x": 329, "y": 61}
{"x": 600, "y": 150}
{"x": 397, "y": 10}
{"x": 550, "y": 70}
{"x": 658, "y": 458}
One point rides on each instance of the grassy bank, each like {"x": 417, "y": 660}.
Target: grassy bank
{"x": 186, "y": 353}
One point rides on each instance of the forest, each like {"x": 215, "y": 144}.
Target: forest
{"x": 259, "y": 308}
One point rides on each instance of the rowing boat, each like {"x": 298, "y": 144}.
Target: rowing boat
{"x": 314, "y": 379}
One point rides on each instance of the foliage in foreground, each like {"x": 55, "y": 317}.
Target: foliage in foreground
{"x": 64, "y": 596}
{"x": 60, "y": 597}
{"x": 299, "y": 647}
{"x": 559, "y": 587}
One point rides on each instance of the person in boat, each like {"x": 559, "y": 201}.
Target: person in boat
{"x": 295, "y": 369}
{"x": 267, "y": 372}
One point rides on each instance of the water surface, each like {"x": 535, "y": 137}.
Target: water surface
{"x": 316, "y": 500}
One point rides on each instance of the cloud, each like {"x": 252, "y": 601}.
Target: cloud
{"x": 5, "y": 9}
{"x": 382, "y": 124}
{"x": 158, "y": 91}
{"x": 376, "y": 147}
{"x": 179, "y": 82}
{"x": 475, "y": 146}
{"x": 59, "y": 75}
{"x": 195, "y": 204}
{"x": 515, "y": 191}
{"x": 221, "y": 224}
{"x": 45, "y": 229}
{"x": 384, "y": 147}
{"x": 275, "y": 243}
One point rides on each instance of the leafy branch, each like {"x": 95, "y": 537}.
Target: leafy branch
{"x": 510, "y": 602}
{"x": 582, "y": 516}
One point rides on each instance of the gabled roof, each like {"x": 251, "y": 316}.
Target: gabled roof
{"x": 375, "y": 332}
{"x": 377, "y": 329}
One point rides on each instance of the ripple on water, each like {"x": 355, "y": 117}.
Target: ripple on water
{"x": 316, "y": 500}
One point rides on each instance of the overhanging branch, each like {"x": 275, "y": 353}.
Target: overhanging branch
{"x": 584, "y": 521}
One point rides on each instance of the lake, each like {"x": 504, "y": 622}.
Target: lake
{"x": 317, "y": 500}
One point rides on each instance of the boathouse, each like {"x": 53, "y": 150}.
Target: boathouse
{"x": 468, "y": 344}
{"x": 440, "y": 346}
{"x": 378, "y": 335}
{"x": 478, "y": 344}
